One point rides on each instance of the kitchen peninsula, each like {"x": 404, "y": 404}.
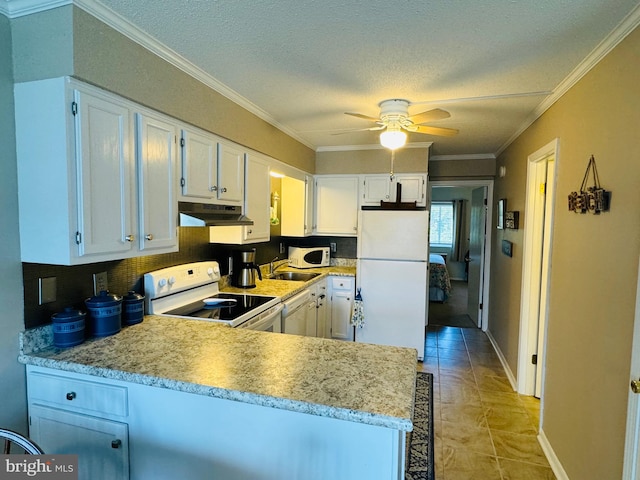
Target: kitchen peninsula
{"x": 192, "y": 399}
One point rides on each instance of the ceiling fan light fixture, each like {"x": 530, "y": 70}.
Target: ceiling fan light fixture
{"x": 393, "y": 139}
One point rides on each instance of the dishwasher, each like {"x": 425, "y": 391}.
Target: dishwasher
{"x": 296, "y": 313}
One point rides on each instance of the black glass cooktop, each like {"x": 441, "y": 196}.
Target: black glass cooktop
{"x": 222, "y": 310}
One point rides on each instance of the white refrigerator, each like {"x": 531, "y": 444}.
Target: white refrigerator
{"x": 392, "y": 276}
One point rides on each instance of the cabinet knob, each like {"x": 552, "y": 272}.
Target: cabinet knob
{"x": 71, "y": 395}
{"x": 214, "y": 188}
{"x": 223, "y": 189}
{"x": 148, "y": 236}
{"x": 116, "y": 443}
{"x": 249, "y": 231}
{"x": 130, "y": 238}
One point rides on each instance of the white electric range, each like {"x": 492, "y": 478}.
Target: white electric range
{"x": 192, "y": 291}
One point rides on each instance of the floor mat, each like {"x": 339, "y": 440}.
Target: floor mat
{"x": 420, "y": 461}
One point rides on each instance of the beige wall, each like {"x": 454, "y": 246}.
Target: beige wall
{"x": 69, "y": 41}
{"x": 462, "y": 168}
{"x": 594, "y": 265}
{"x": 13, "y": 413}
{"x": 407, "y": 160}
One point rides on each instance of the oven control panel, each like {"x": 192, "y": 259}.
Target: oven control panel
{"x": 179, "y": 278}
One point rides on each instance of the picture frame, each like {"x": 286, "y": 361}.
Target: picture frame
{"x": 502, "y": 208}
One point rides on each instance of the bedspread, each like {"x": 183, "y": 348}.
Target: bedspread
{"x": 438, "y": 274}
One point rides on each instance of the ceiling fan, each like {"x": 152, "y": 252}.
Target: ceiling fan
{"x": 394, "y": 118}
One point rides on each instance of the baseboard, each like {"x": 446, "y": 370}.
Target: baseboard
{"x": 556, "y": 466}
{"x": 503, "y": 361}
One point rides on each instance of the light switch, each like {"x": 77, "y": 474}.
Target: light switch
{"x": 47, "y": 290}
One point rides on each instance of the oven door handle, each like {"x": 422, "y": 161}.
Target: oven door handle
{"x": 259, "y": 322}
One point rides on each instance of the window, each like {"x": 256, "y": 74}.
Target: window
{"x": 441, "y": 224}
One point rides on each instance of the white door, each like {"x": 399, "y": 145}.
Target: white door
{"x": 394, "y": 296}
{"x": 631, "y": 469}
{"x": 106, "y": 169}
{"x": 535, "y": 270}
{"x": 475, "y": 277}
{"x": 157, "y": 204}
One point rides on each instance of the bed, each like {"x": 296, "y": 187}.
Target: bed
{"x": 439, "y": 281}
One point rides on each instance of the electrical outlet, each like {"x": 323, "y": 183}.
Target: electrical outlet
{"x": 47, "y": 290}
{"x": 100, "y": 283}
{"x": 281, "y": 247}
{"x": 333, "y": 247}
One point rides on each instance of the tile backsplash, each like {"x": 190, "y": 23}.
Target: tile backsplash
{"x": 75, "y": 283}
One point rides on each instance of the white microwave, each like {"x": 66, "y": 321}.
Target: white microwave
{"x": 309, "y": 257}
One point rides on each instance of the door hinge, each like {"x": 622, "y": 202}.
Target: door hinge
{"x": 74, "y": 108}
{"x": 78, "y": 238}
{"x": 543, "y": 188}
{"x": 485, "y": 201}
{"x": 182, "y": 142}
{"x": 534, "y": 359}
{"x": 481, "y": 306}
{"x": 182, "y": 182}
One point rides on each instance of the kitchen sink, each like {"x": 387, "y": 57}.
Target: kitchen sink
{"x": 295, "y": 276}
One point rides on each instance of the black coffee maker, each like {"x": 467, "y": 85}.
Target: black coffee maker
{"x": 245, "y": 268}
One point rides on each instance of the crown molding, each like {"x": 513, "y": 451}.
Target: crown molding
{"x": 617, "y": 35}
{"x": 373, "y": 146}
{"x": 472, "y": 156}
{"x": 20, "y": 8}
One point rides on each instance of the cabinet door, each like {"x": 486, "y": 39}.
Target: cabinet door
{"x": 337, "y": 205}
{"x": 308, "y": 205}
{"x": 230, "y": 173}
{"x": 102, "y": 445}
{"x": 341, "y": 307}
{"x": 157, "y": 203}
{"x": 375, "y": 188}
{"x": 257, "y": 193}
{"x": 106, "y": 218}
{"x": 312, "y": 321}
{"x": 413, "y": 188}
{"x": 295, "y": 219}
{"x": 199, "y": 165}
{"x": 320, "y": 294}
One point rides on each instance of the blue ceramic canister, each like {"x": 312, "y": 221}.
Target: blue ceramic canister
{"x": 68, "y": 327}
{"x": 132, "y": 308}
{"x": 105, "y": 313}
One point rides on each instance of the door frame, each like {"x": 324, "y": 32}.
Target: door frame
{"x": 631, "y": 470}
{"x": 531, "y": 272}
{"x": 486, "y": 271}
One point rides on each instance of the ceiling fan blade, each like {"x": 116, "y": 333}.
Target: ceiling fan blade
{"x": 360, "y": 115}
{"x": 442, "y": 132}
{"x": 381, "y": 127}
{"x": 429, "y": 116}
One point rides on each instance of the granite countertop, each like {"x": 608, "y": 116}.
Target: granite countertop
{"x": 357, "y": 382}
{"x": 288, "y": 288}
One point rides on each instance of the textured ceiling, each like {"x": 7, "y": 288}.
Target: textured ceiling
{"x": 303, "y": 63}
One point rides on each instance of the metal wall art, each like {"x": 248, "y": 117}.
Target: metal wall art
{"x": 594, "y": 199}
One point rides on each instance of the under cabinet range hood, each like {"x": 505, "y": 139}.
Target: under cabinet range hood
{"x": 207, "y": 215}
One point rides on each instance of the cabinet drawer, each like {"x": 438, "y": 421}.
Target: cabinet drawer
{"x": 342, "y": 283}
{"x": 75, "y": 394}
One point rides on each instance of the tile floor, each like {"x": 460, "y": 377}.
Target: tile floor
{"x": 484, "y": 430}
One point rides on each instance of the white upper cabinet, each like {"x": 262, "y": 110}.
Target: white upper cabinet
{"x": 212, "y": 169}
{"x": 79, "y": 198}
{"x": 199, "y": 166}
{"x": 337, "y": 205}
{"x": 156, "y": 159}
{"x": 296, "y": 218}
{"x": 257, "y": 190}
{"x": 231, "y": 173}
{"x": 382, "y": 187}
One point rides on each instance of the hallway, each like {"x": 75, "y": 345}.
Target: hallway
{"x": 484, "y": 430}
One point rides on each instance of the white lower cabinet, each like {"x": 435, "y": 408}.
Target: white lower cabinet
{"x": 342, "y": 291}
{"x": 167, "y": 434}
{"x": 321, "y": 299}
{"x": 69, "y": 415}
{"x": 102, "y": 445}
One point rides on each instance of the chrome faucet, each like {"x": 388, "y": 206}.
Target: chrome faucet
{"x": 271, "y": 269}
